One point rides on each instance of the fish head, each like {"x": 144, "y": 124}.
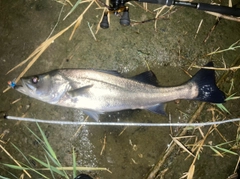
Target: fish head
{"x": 44, "y": 87}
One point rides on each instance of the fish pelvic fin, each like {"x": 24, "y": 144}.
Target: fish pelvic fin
{"x": 208, "y": 90}
{"x": 93, "y": 114}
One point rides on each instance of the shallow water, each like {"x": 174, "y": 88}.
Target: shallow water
{"x": 130, "y": 152}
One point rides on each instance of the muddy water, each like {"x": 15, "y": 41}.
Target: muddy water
{"x": 131, "y": 152}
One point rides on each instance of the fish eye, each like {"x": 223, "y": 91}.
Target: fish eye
{"x": 35, "y": 79}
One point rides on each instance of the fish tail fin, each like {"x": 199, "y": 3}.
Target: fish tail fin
{"x": 208, "y": 90}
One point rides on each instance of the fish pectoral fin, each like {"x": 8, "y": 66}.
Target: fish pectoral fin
{"x": 159, "y": 109}
{"x": 147, "y": 77}
{"x": 79, "y": 91}
{"x": 92, "y": 114}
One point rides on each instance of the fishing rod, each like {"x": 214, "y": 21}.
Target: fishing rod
{"x": 129, "y": 124}
{"x": 118, "y": 6}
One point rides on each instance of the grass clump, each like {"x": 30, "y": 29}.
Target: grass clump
{"x": 51, "y": 162}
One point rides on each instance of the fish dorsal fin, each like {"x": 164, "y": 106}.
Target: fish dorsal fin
{"x": 80, "y": 91}
{"x": 147, "y": 77}
{"x": 158, "y": 108}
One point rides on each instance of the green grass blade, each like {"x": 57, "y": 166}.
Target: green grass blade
{"x": 49, "y": 166}
{"x": 16, "y": 167}
{"x": 46, "y": 165}
{"x": 59, "y": 165}
{"x": 2, "y": 177}
{"x": 39, "y": 173}
{"x": 52, "y": 155}
{"x": 46, "y": 143}
{"x": 225, "y": 143}
{"x": 73, "y": 8}
{"x": 24, "y": 156}
{"x": 231, "y": 97}
{"x": 216, "y": 151}
{"x": 226, "y": 150}
{"x": 55, "y": 161}
{"x": 35, "y": 135}
{"x": 13, "y": 176}
{"x": 222, "y": 108}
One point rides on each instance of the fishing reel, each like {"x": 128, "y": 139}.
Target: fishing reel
{"x": 118, "y": 8}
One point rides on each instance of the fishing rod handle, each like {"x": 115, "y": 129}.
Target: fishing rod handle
{"x": 219, "y": 9}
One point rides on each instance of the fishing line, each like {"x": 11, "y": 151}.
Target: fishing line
{"x": 122, "y": 123}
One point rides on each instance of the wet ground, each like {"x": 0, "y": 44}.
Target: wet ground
{"x": 167, "y": 50}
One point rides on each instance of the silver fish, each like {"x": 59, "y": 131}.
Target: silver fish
{"x": 98, "y": 91}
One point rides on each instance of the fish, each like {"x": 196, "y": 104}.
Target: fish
{"x": 96, "y": 92}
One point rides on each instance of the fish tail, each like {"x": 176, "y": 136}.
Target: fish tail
{"x": 208, "y": 90}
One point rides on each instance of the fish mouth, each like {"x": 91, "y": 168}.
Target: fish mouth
{"x": 20, "y": 88}
{"x": 24, "y": 87}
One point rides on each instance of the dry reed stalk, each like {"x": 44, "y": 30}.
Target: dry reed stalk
{"x": 40, "y": 49}
{"x": 14, "y": 160}
{"x": 80, "y": 127}
{"x": 79, "y": 19}
{"x": 220, "y": 69}
{"x": 90, "y": 28}
{"x": 211, "y": 30}
{"x": 15, "y": 101}
{"x": 69, "y": 2}
{"x": 182, "y": 146}
{"x": 200, "y": 146}
{"x": 224, "y": 16}
{"x": 104, "y": 144}
{"x": 122, "y": 131}
{"x": 159, "y": 11}
{"x": 199, "y": 26}
{"x": 164, "y": 156}
{"x": 145, "y": 6}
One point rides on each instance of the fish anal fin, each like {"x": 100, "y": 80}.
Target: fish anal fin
{"x": 147, "y": 77}
{"x": 158, "y": 108}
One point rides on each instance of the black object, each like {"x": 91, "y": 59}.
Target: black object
{"x": 83, "y": 176}
{"x": 104, "y": 24}
{"x": 118, "y": 6}
{"x": 125, "y": 20}
{"x": 238, "y": 172}
{"x": 200, "y": 6}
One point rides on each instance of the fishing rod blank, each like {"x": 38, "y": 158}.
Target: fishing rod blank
{"x": 200, "y": 6}
{"x": 118, "y": 6}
